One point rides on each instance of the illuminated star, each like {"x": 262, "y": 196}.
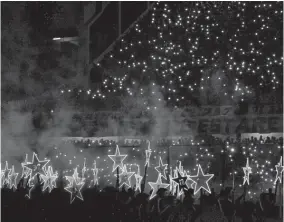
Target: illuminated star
{"x": 53, "y": 183}
{"x": 37, "y": 166}
{"x": 156, "y": 186}
{"x": 162, "y": 168}
{"x": 247, "y": 171}
{"x": 138, "y": 180}
{"x": 75, "y": 177}
{"x": 26, "y": 171}
{"x": 95, "y": 173}
{"x": 124, "y": 177}
{"x": 181, "y": 181}
{"x": 201, "y": 180}
{"x": 117, "y": 159}
{"x": 5, "y": 175}
{"x": 49, "y": 180}
{"x": 75, "y": 190}
{"x": 279, "y": 170}
{"x": 13, "y": 178}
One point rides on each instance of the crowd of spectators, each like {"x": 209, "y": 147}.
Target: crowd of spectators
{"x": 183, "y": 141}
{"x": 112, "y": 204}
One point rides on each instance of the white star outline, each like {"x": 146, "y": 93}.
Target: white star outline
{"x": 156, "y": 186}
{"x": 279, "y": 171}
{"x": 13, "y": 178}
{"x": 163, "y": 168}
{"x": 196, "y": 185}
{"x": 33, "y": 166}
{"x": 49, "y": 179}
{"x": 124, "y": 175}
{"x": 117, "y": 158}
{"x": 247, "y": 171}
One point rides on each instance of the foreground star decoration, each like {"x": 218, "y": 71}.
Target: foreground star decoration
{"x": 247, "y": 171}
{"x": 156, "y": 186}
{"x": 95, "y": 173}
{"x": 201, "y": 180}
{"x": 124, "y": 177}
{"x": 162, "y": 168}
{"x": 279, "y": 170}
{"x": 74, "y": 187}
{"x": 26, "y": 171}
{"x": 180, "y": 180}
{"x": 49, "y": 180}
{"x": 36, "y": 166}
{"x": 117, "y": 159}
{"x": 75, "y": 177}
{"x": 13, "y": 178}
{"x": 148, "y": 154}
{"x": 5, "y": 175}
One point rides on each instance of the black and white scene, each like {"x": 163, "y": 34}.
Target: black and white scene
{"x": 142, "y": 111}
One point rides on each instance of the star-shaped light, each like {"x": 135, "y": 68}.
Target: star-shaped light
{"x": 26, "y": 171}
{"x": 95, "y": 173}
{"x": 148, "y": 154}
{"x": 5, "y": 175}
{"x": 117, "y": 159}
{"x": 13, "y": 178}
{"x": 75, "y": 177}
{"x": 180, "y": 180}
{"x": 49, "y": 179}
{"x": 124, "y": 177}
{"x": 247, "y": 171}
{"x": 156, "y": 186}
{"x": 201, "y": 180}
{"x": 75, "y": 190}
{"x": 279, "y": 170}
{"x": 138, "y": 180}
{"x": 84, "y": 168}
{"x": 37, "y": 166}
{"x": 162, "y": 168}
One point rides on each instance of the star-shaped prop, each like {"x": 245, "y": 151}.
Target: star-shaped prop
{"x": 26, "y": 171}
{"x": 5, "y": 175}
{"x": 49, "y": 179}
{"x": 13, "y": 178}
{"x": 117, "y": 159}
{"x": 138, "y": 180}
{"x": 75, "y": 177}
{"x": 156, "y": 186}
{"x": 75, "y": 190}
{"x": 180, "y": 180}
{"x": 95, "y": 173}
{"x": 124, "y": 177}
{"x": 37, "y": 166}
{"x": 201, "y": 180}
{"x": 162, "y": 168}
{"x": 247, "y": 171}
{"x": 148, "y": 154}
{"x": 279, "y": 170}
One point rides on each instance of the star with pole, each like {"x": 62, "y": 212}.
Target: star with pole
{"x": 124, "y": 177}
{"x": 279, "y": 170}
{"x": 13, "y": 178}
{"x": 37, "y": 166}
{"x": 75, "y": 177}
{"x": 148, "y": 154}
{"x": 247, "y": 171}
{"x": 5, "y": 175}
{"x": 180, "y": 180}
{"x": 26, "y": 171}
{"x": 74, "y": 187}
{"x": 201, "y": 180}
{"x": 156, "y": 186}
{"x": 162, "y": 168}
{"x": 95, "y": 173}
{"x": 49, "y": 179}
{"x": 117, "y": 159}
